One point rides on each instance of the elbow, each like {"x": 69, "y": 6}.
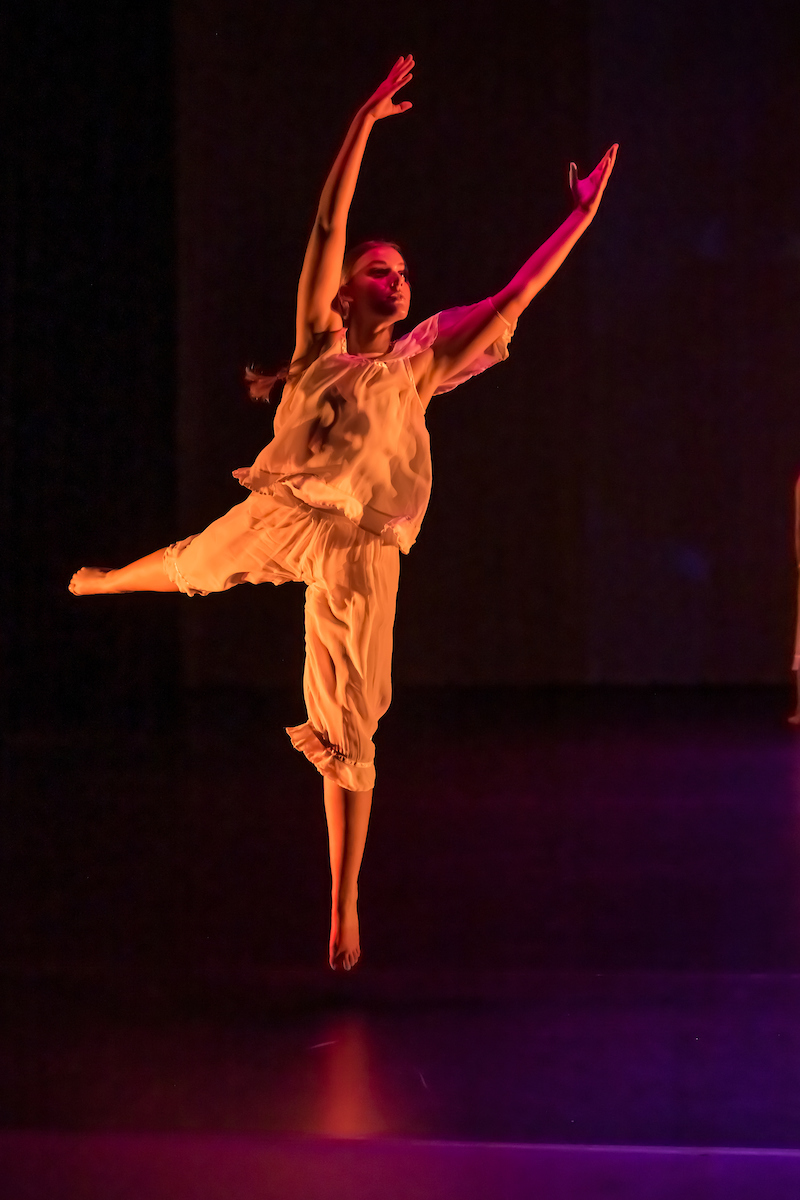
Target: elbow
{"x": 327, "y": 223}
{"x": 323, "y": 227}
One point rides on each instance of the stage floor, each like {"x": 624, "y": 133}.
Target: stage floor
{"x": 581, "y": 918}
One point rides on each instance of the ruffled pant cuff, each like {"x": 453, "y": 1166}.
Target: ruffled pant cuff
{"x": 355, "y": 776}
{"x": 173, "y": 571}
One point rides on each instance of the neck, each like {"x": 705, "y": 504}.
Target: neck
{"x": 366, "y": 339}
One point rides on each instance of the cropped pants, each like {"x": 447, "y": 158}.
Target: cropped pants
{"x": 351, "y": 579}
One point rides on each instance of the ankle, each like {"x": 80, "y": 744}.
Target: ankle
{"x": 346, "y": 901}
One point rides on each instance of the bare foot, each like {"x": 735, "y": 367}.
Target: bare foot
{"x": 344, "y": 949}
{"x": 91, "y": 581}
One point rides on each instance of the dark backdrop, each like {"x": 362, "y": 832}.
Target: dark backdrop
{"x": 613, "y": 504}
{"x": 88, "y": 330}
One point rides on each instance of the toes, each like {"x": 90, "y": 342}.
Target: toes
{"x": 343, "y": 959}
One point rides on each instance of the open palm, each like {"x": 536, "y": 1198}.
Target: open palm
{"x": 381, "y": 103}
{"x": 588, "y": 192}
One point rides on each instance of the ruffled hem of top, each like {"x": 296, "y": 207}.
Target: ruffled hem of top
{"x": 397, "y": 531}
{"x": 331, "y": 762}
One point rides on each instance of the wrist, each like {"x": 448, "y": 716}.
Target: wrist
{"x": 364, "y": 117}
{"x": 580, "y": 217}
{"x": 588, "y": 209}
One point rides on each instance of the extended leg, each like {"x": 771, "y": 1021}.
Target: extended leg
{"x": 144, "y": 575}
{"x": 347, "y": 814}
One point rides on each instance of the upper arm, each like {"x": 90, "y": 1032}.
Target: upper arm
{"x": 421, "y": 365}
{"x": 318, "y": 286}
{"x": 459, "y": 341}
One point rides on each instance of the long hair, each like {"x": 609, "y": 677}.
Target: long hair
{"x": 268, "y": 386}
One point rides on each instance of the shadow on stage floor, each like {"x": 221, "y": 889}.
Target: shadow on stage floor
{"x": 581, "y": 917}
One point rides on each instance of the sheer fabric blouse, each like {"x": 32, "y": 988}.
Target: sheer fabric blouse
{"x": 350, "y": 433}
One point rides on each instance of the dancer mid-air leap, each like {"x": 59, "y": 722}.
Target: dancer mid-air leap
{"x": 344, "y": 484}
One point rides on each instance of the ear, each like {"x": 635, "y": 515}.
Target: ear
{"x": 341, "y": 304}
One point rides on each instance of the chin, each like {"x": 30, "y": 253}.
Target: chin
{"x": 394, "y": 312}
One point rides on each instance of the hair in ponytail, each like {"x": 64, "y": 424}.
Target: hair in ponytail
{"x": 263, "y": 386}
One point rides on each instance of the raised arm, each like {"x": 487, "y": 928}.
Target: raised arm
{"x": 322, "y": 266}
{"x": 485, "y": 323}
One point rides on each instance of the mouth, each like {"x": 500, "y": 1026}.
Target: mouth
{"x": 390, "y": 302}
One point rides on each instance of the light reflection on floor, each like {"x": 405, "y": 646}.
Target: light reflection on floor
{"x": 584, "y": 935}
{"x": 349, "y": 1101}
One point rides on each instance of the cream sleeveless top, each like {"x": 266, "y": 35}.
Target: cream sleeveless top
{"x": 350, "y": 433}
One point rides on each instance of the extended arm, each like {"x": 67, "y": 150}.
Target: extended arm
{"x": 486, "y": 322}
{"x": 322, "y": 266}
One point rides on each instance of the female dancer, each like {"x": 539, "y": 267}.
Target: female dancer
{"x": 344, "y": 484}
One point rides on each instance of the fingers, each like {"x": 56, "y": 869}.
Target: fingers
{"x": 587, "y": 192}
{"x": 396, "y": 84}
{"x": 401, "y": 71}
{"x": 608, "y": 159}
{"x": 400, "y": 74}
{"x": 605, "y": 164}
{"x": 604, "y": 169}
{"x": 380, "y": 103}
{"x": 403, "y": 66}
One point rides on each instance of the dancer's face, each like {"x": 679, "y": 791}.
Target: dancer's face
{"x": 378, "y": 285}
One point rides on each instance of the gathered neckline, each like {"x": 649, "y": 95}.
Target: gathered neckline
{"x": 369, "y": 357}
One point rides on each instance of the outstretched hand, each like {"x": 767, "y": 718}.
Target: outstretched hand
{"x": 587, "y": 192}
{"x": 381, "y": 102}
